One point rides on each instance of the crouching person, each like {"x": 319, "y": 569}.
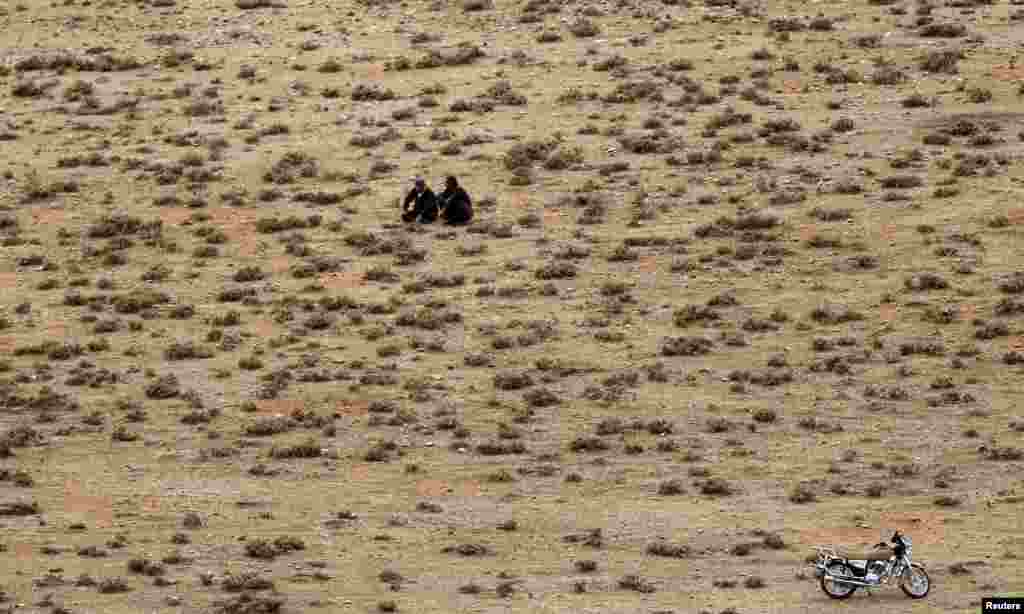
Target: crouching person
{"x": 420, "y": 204}
{"x": 456, "y": 207}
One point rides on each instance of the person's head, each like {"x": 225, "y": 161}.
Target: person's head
{"x": 451, "y": 182}
{"x": 420, "y": 184}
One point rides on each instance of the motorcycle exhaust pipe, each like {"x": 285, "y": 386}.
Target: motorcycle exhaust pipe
{"x": 847, "y": 580}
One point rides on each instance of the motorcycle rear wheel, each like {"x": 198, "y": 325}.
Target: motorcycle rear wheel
{"x": 837, "y": 590}
{"x": 918, "y": 589}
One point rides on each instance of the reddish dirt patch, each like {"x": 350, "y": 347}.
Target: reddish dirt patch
{"x": 808, "y": 231}
{"x": 7, "y": 344}
{"x": 350, "y": 407}
{"x": 264, "y": 329}
{"x": 8, "y": 281}
{"x": 56, "y": 329}
{"x": 551, "y": 216}
{"x": 279, "y": 406}
{"x": 78, "y": 500}
{"x": 48, "y": 217}
{"x": 792, "y": 87}
{"x": 648, "y": 264}
{"x": 280, "y": 264}
{"x": 887, "y": 232}
{"x": 359, "y": 473}
{"x": 921, "y": 527}
{"x": 1016, "y": 216}
{"x": 519, "y": 201}
{"x": 344, "y": 280}
{"x": 239, "y": 225}
{"x": 172, "y": 216}
{"x": 22, "y": 552}
{"x": 374, "y": 72}
{"x": 442, "y": 488}
{"x": 888, "y": 312}
{"x": 248, "y": 244}
{"x": 849, "y": 537}
{"x": 1016, "y": 343}
{"x": 150, "y": 504}
{"x": 968, "y": 312}
{"x": 1008, "y": 73}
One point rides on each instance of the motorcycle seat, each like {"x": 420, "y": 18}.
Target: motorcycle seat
{"x": 878, "y": 555}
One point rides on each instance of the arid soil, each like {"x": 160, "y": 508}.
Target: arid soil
{"x": 745, "y": 278}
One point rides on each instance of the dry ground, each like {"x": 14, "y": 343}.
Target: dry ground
{"x": 745, "y": 278}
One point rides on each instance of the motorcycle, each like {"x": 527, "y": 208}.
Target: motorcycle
{"x": 840, "y": 575}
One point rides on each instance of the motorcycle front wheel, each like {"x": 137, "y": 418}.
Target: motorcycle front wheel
{"x": 837, "y": 590}
{"x": 915, "y": 583}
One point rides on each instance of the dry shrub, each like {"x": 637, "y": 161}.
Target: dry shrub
{"x": 526, "y": 154}
{"x": 556, "y": 270}
{"x": 584, "y": 28}
{"x": 636, "y": 583}
{"x": 512, "y": 380}
{"x": 671, "y": 487}
{"x": 923, "y": 282}
{"x": 667, "y": 549}
{"x": 887, "y": 74}
{"x": 291, "y": 166}
{"x": 943, "y": 61}
{"x": 834, "y": 314}
{"x": 248, "y": 604}
{"x": 464, "y": 54}
{"x": 248, "y": 5}
{"x": 686, "y": 346}
{"x": 803, "y": 493}
{"x": 468, "y": 550}
{"x": 756, "y": 220}
{"x": 715, "y": 487}
{"x": 943, "y": 30}
{"x": 635, "y": 91}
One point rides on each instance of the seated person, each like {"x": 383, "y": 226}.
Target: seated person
{"x": 456, "y": 207}
{"x": 420, "y": 204}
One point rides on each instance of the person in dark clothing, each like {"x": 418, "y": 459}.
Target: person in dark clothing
{"x": 456, "y": 206}
{"x": 420, "y": 204}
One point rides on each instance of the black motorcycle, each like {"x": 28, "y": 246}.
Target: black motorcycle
{"x": 841, "y": 574}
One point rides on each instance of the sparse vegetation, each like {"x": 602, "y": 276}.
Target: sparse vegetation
{"x": 724, "y": 256}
